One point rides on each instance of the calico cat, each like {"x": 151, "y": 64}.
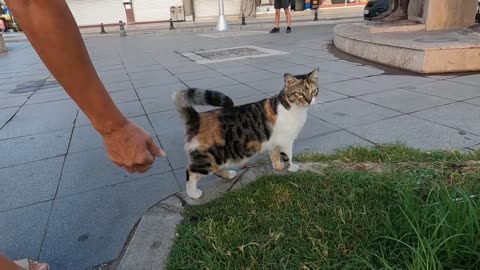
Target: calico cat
{"x": 230, "y": 135}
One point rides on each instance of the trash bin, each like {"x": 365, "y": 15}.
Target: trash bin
{"x": 180, "y": 13}
{"x": 173, "y": 13}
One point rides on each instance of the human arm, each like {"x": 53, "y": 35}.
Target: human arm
{"x": 51, "y": 29}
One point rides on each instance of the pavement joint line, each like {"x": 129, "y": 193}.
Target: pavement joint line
{"x": 58, "y": 185}
{"x": 321, "y": 134}
{"x": 376, "y": 92}
{"x": 25, "y": 206}
{"x": 385, "y": 107}
{"x": 143, "y": 108}
{"x": 441, "y": 124}
{"x": 20, "y": 164}
{"x": 142, "y": 178}
{"x": 84, "y": 150}
{"x": 361, "y": 137}
{"x": 34, "y": 134}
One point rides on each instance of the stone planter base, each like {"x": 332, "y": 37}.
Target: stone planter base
{"x": 410, "y": 47}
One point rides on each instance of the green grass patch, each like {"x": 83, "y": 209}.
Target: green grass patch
{"x": 419, "y": 212}
{"x": 390, "y": 153}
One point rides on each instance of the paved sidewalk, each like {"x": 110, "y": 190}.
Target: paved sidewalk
{"x": 63, "y": 201}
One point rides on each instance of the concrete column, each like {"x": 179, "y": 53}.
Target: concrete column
{"x": 449, "y": 14}
{"x": 3, "y": 48}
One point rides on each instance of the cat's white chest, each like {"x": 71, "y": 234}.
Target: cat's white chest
{"x": 288, "y": 125}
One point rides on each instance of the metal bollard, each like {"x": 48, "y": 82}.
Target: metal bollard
{"x": 316, "y": 15}
{"x": 243, "y": 19}
{"x": 102, "y": 29}
{"x": 122, "y": 28}
{"x": 171, "y": 24}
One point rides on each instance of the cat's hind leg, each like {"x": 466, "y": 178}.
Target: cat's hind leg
{"x": 276, "y": 158}
{"x": 287, "y": 150}
{"x": 223, "y": 173}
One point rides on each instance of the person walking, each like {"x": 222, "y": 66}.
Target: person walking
{"x": 3, "y": 25}
{"x": 285, "y": 4}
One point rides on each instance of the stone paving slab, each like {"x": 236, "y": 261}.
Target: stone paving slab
{"x": 30, "y": 183}
{"x": 237, "y": 91}
{"x": 48, "y": 117}
{"x": 90, "y": 228}
{"x": 355, "y": 88}
{"x": 328, "y": 96}
{"x": 450, "y": 90}
{"x": 253, "y": 76}
{"x": 351, "y": 112}
{"x": 20, "y": 235}
{"x": 129, "y": 109}
{"x": 124, "y": 96}
{"x": 404, "y": 100}
{"x": 26, "y": 149}
{"x": 87, "y": 138}
{"x": 211, "y": 82}
{"x": 467, "y": 79}
{"x": 457, "y": 115}
{"x": 92, "y": 169}
{"x": 6, "y": 114}
{"x": 395, "y": 81}
{"x": 361, "y": 71}
{"x": 293, "y": 69}
{"x": 159, "y": 91}
{"x": 11, "y": 102}
{"x": 12, "y": 93}
{"x": 269, "y": 86}
{"x": 97, "y": 203}
{"x": 416, "y": 133}
{"x": 329, "y": 142}
{"x": 42, "y": 97}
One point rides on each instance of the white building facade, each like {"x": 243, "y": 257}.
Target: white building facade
{"x": 95, "y": 12}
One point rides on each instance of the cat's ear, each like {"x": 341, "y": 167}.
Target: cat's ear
{"x": 314, "y": 74}
{"x": 289, "y": 79}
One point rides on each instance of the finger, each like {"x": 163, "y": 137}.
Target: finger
{"x": 154, "y": 149}
{"x": 118, "y": 164}
{"x": 142, "y": 168}
{"x": 129, "y": 169}
{"x": 146, "y": 160}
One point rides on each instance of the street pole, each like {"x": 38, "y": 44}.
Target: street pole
{"x": 222, "y": 23}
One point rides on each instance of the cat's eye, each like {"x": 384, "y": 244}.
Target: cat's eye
{"x": 315, "y": 91}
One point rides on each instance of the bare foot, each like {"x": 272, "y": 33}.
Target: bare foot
{"x": 398, "y": 15}
{"x": 37, "y": 265}
{"x": 381, "y": 16}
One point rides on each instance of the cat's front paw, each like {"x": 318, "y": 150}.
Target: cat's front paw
{"x": 195, "y": 193}
{"x": 232, "y": 174}
{"x": 293, "y": 168}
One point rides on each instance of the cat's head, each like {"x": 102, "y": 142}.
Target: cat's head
{"x": 301, "y": 90}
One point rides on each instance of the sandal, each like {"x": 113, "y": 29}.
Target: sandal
{"x": 32, "y": 265}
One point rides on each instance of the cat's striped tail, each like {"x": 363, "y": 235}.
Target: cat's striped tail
{"x": 186, "y": 99}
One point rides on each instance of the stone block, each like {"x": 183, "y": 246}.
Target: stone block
{"x": 3, "y": 47}
{"x": 153, "y": 238}
{"x": 449, "y": 14}
{"x": 426, "y": 52}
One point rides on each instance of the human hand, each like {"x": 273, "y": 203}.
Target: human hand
{"x": 132, "y": 148}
